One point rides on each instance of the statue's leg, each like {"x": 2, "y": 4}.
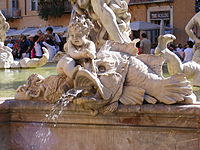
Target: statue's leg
{"x": 66, "y": 66}
{"x": 196, "y": 55}
{"x": 108, "y": 20}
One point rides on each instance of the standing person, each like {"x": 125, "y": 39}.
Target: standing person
{"x": 57, "y": 39}
{"x": 188, "y": 52}
{"x": 145, "y": 44}
{"x": 31, "y": 39}
{"x": 37, "y": 51}
{"x": 23, "y": 45}
{"x": 39, "y": 33}
{"x": 49, "y": 43}
{"x": 180, "y": 51}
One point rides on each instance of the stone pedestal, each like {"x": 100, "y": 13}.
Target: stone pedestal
{"x": 146, "y": 127}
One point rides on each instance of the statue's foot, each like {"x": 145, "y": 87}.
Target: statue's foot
{"x": 75, "y": 70}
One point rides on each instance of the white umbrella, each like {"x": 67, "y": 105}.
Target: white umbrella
{"x": 141, "y": 25}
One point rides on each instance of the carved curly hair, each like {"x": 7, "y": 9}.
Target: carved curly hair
{"x": 81, "y": 25}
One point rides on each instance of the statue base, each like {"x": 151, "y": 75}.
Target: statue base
{"x": 140, "y": 127}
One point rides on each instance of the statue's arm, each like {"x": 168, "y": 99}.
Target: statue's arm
{"x": 74, "y": 53}
{"x": 78, "y": 9}
{"x": 189, "y": 28}
{"x": 91, "y": 49}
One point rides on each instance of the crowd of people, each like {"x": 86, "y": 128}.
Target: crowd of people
{"x": 31, "y": 46}
{"x": 184, "y": 52}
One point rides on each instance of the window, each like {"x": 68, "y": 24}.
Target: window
{"x": 14, "y": 4}
{"x": 197, "y": 6}
{"x": 33, "y": 5}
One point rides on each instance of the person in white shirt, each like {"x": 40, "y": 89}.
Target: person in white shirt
{"x": 38, "y": 50}
{"x": 49, "y": 43}
{"x": 57, "y": 39}
{"x": 188, "y": 52}
{"x": 38, "y": 47}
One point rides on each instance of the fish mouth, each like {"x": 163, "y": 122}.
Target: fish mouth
{"x": 91, "y": 85}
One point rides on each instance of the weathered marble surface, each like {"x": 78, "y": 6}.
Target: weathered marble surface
{"x": 144, "y": 127}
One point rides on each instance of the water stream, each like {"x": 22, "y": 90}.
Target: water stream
{"x": 42, "y": 136}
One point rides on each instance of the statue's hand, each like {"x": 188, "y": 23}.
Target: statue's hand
{"x": 124, "y": 5}
{"x": 197, "y": 41}
{"x": 90, "y": 54}
{"x": 1, "y": 44}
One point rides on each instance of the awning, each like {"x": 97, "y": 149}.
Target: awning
{"x": 33, "y": 31}
{"x": 10, "y": 30}
{"x": 57, "y": 30}
{"x": 19, "y": 32}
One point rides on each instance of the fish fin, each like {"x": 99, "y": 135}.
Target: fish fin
{"x": 132, "y": 95}
{"x": 153, "y": 62}
{"x": 150, "y": 99}
{"x": 173, "y": 89}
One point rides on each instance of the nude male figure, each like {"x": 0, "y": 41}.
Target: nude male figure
{"x": 195, "y": 20}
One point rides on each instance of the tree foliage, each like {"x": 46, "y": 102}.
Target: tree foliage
{"x": 51, "y": 8}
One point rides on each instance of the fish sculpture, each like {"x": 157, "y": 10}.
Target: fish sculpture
{"x": 128, "y": 80}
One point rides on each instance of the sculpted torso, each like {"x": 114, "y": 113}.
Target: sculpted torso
{"x": 109, "y": 14}
{"x": 189, "y": 30}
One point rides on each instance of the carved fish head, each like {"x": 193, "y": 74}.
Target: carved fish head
{"x": 106, "y": 85}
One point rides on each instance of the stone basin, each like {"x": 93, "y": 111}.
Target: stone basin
{"x": 23, "y": 125}
{"x": 144, "y": 127}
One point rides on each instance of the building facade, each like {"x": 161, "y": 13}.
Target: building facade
{"x": 174, "y": 13}
{"x": 23, "y": 13}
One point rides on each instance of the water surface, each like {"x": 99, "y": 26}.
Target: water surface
{"x": 11, "y": 79}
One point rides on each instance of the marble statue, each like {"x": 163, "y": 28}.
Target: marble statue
{"x": 35, "y": 62}
{"x": 49, "y": 89}
{"x": 79, "y": 50}
{"x": 195, "y": 21}
{"x": 7, "y": 60}
{"x": 110, "y": 16}
{"x": 6, "y": 57}
{"x": 102, "y": 79}
{"x": 4, "y": 27}
{"x": 120, "y": 78}
{"x": 190, "y": 69}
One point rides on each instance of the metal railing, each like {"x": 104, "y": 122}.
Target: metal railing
{"x": 12, "y": 13}
{"x": 147, "y": 1}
